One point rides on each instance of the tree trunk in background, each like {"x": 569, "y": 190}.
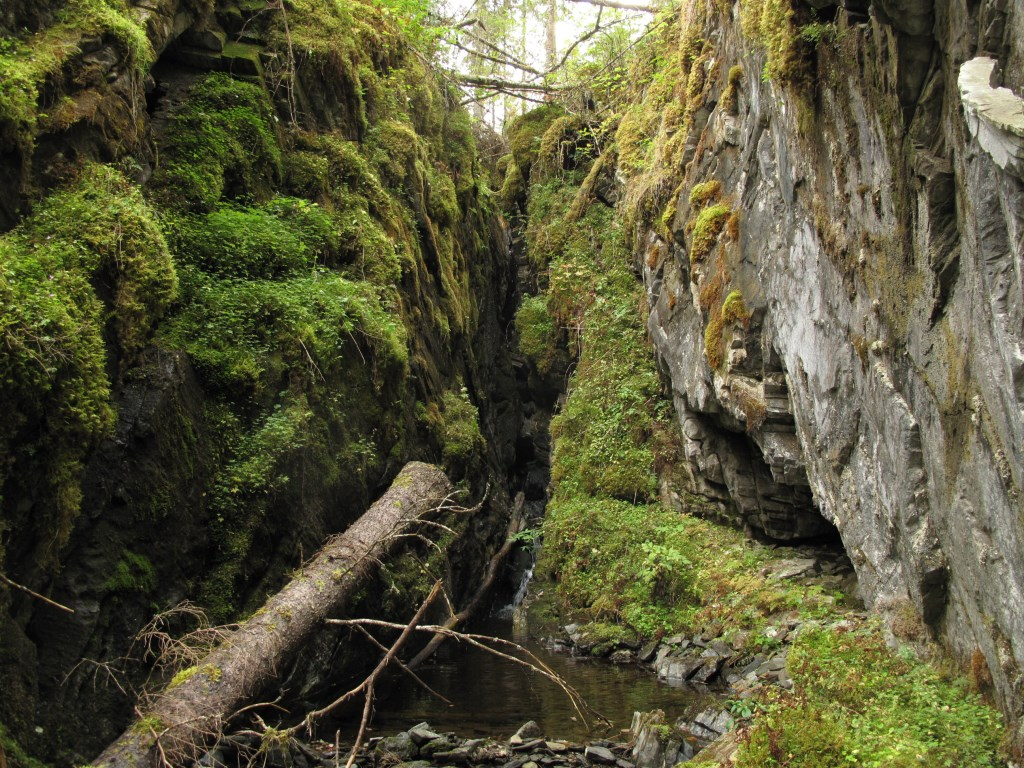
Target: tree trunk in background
{"x": 186, "y": 717}
{"x": 551, "y": 36}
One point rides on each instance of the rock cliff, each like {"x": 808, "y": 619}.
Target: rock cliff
{"x": 836, "y": 293}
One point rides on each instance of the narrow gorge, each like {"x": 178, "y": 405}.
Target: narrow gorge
{"x": 728, "y": 317}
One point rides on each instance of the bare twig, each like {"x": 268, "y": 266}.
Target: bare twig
{"x": 368, "y": 685}
{"x": 36, "y": 595}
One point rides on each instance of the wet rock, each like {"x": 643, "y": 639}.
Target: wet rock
{"x": 600, "y": 755}
{"x": 708, "y": 725}
{"x": 440, "y": 744}
{"x": 621, "y": 656}
{"x": 558, "y": 747}
{"x": 421, "y": 734}
{"x": 526, "y": 746}
{"x": 529, "y": 730}
{"x": 647, "y": 652}
{"x": 401, "y": 746}
{"x": 709, "y": 667}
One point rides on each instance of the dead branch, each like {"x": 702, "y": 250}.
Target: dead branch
{"x": 368, "y": 685}
{"x": 531, "y": 662}
{"x": 485, "y": 585}
{"x": 36, "y": 595}
{"x": 621, "y": 6}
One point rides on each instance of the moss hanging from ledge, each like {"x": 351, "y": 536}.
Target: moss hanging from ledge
{"x": 31, "y": 64}
{"x": 90, "y": 250}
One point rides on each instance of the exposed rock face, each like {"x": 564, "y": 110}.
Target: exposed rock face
{"x": 879, "y": 365}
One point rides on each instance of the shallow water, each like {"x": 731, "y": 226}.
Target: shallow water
{"x": 493, "y": 697}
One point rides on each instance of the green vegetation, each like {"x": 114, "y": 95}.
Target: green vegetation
{"x": 733, "y": 311}
{"x": 461, "y": 440}
{"x": 772, "y": 25}
{"x": 707, "y": 227}
{"x": 16, "y": 755}
{"x": 221, "y": 143}
{"x": 537, "y": 332}
{"x": 29, "y": 64}
{"x": 855, "y": 702}
{"x": 133, "y": 573}
{"x": 98, "y": 232}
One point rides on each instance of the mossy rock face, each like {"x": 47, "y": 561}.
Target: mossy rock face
{"x": 221, "y": 143}
{"x": 255, "y": 332}
{"x": 91, "y": 252}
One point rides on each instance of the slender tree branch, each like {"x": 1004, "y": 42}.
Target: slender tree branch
{"x": 36, "y": 595}
{"x": 620, "y": 6}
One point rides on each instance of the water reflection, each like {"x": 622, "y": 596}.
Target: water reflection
{"x": 491, "y": 696}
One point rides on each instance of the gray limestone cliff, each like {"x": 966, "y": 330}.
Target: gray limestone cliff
{"x": 863, "y": 311}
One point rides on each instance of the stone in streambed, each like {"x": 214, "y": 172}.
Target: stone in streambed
{"x": 401, "y": 746}
{"x": 600, "y": 755}
{"x": 421, "y": 734}
{"x": 440, "y": 744}
{"x": 529, "y": 730}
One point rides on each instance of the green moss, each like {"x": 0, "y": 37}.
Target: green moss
{"x": 706, "y": 228}
{"x": 212, "y": 673}
{"x": 95, "y": 238}
{"x": 857, "y": 702}
{"x": 705, "y": 193}
{"x": 537, "y": 332}
{"x": 461, "y": 441}
{"x": 17, "y": 757}
{"x": 286, "y": 237}
{"x": 29, "y": 64}
{"x": 634, "y": 138}
{"x": 772, "y": 25}
{"x": 148, "y": 725}
{"x": 133, "y": 573}
{"x": 221, "y": 143}
{"x": 244, "y": 335}
{"x": 729, "y": 95}
{"x": 733, "y": 311}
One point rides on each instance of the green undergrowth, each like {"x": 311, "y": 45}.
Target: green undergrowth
{"x": 17, "y": 757}
{"x": 222, "y": 143}
{"x": 653, "y": 570}
{"x": 89, "y": 261}
{"x": 857, "y": 702}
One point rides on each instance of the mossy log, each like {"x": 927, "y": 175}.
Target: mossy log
{"x": 180, "y": 721}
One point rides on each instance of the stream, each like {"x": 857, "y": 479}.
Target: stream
{"x": 492, "y": 697}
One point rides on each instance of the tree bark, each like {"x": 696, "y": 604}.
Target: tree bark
{"x": 184, "y": 718}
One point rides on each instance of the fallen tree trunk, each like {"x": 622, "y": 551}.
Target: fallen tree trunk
{"x": 185, "y": 717}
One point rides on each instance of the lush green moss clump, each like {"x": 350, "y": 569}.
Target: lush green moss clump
{"x": 855, "y": 702}
{"x": 244, "y": 335}
{"x": 525, "y": 134}
{"x": 461, "y": 440}
{"x": 537, "y": 332}
{"x": 53, "y": 375}
{"x": 733, "y": 311}
{"x": 285, "y": 237}
{"x": 133, "y": 573}
{"x": 29, "y": 64}
{"x": 706, "y": 228}
{"x": 222, "y": 143}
